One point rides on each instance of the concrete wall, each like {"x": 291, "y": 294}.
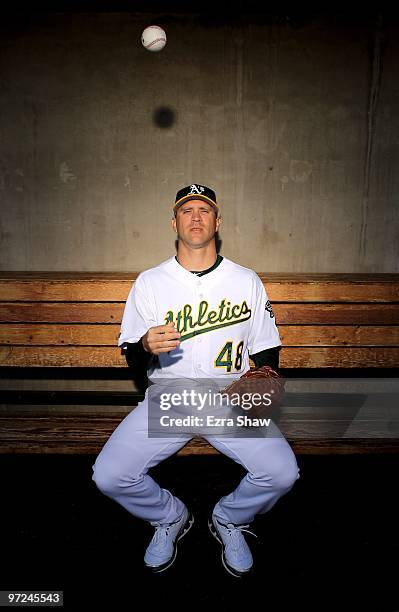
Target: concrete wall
{"x": 294, "y": 124}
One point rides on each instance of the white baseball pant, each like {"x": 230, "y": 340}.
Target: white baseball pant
{"x": 120, "y": 472}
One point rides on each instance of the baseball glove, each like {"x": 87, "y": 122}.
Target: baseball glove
{"x": 265, "y": 383}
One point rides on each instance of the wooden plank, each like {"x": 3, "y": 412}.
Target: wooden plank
{"x": 77, "y": 428}
{"x": 20, "y": 334}
{"x": 302, "y": 314}
{"x": 335, "y": 335}
{"x": 330, "y": 277}
{"x": 314, "y": 291}
{"x": 365, "y": 412}
{"x": 64, "y": 384}
{"x": 36, "y": 430}
{"x": 337, "y": 314}
{"x": 47, "y": 312}
{"x": 70, "y": 411}
{"x": 290, "y": 357}
{"x": 80, "y": 356}
{"x": 40, "y": 381}
{"x": 43, "y": 334}
{"x": 115, "y": 287}
{"x": 327, "y": 446}
{"x": 303, "y": 447}
{"x": 24, "y": 275}
{"x": 66, "y": 290}
{"x": 339, "y": 357}
{"x": 88, "y": 435}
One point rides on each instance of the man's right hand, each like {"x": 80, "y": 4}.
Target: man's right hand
{"x": 161, "y": 339}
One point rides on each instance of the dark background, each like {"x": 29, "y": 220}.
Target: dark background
{"x": 331, "y": 543}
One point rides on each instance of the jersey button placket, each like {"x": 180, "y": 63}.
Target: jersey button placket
{"x": 195, "y": 357}
{"x": 200, "y": 296}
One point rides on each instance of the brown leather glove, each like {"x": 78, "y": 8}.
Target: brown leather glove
{"x": 260, "y": 390}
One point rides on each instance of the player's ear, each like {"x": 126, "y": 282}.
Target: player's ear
{"x": 173, "y": 221}
{"x": 218, "y": 222}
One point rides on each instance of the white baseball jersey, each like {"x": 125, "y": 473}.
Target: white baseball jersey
{"x": 223, "y": 317}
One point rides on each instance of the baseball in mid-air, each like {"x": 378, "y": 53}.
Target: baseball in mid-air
{"x": 153, "y": 38}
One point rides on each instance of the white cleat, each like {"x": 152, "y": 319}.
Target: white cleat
{"x": 236, "y": 555}
{"x": 162, "y": 550}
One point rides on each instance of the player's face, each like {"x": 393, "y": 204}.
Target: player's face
{"x": 196, "y": 223}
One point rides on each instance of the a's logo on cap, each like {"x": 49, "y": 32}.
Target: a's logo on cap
{"x": 196, "y": 189}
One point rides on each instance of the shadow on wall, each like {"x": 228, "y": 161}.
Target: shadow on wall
{"x": 164, "y": 117}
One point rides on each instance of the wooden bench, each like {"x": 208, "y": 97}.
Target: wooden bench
{"x": 65, "y": 384}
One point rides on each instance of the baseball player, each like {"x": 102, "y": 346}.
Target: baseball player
{"x": 195, "y": 316}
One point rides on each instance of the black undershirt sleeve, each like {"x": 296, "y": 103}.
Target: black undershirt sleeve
{"x": 136, "y": 355}
{"x": 268, "y": 357}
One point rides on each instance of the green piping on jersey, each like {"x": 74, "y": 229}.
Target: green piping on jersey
{"x": 208, "y": 329}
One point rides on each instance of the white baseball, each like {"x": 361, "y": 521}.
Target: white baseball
{"x": 153, "y": 38}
